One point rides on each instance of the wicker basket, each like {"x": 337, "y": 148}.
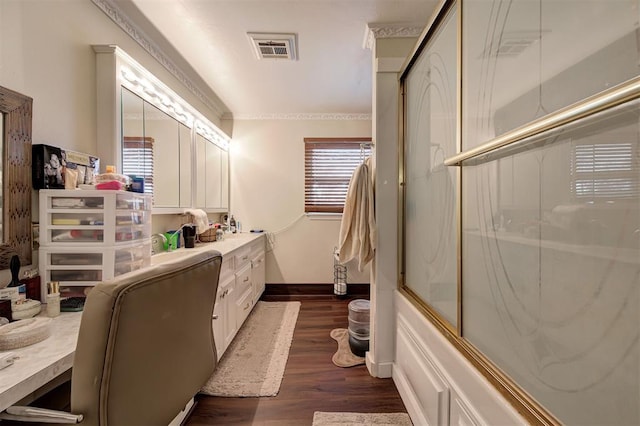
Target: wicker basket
{"x": 208, "y": 236}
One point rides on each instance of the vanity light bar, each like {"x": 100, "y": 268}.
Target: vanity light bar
{"x": 210, "y": 134}
{"x": 136, "y": 78}
{"x": 155, "y": 94}
{"x": 144, "y": 84}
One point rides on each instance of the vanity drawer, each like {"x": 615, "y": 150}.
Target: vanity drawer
{"x": 243, "y": 279}
{"x": 243, "y": 307}
{"x": 227, "y": 268}
{"x": 242, "y": 256}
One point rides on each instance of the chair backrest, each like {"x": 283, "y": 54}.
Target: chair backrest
{"x": 145, "y": 345}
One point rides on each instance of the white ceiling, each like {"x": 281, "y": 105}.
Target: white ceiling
{"x": 331, "y": 76}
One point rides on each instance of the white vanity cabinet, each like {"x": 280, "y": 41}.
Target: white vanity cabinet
{"x": 224, "y": 312}
{"x": 241, "y": 283}
{"x": 87, "y": 236}
{"x": 244, "y": 288}
{"x": 258, "y": 268}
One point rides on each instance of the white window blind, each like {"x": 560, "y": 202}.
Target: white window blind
{"x": 329, "y": 165}
{"x": 605, "y": 170}
{"x": 137, "y": 160}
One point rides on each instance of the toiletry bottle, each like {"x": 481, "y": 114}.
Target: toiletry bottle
{"x": 219, "y": 233}
{"x": 232, "y": 225}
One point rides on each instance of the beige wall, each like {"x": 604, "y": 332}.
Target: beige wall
{"x": 267, "y": 192}
{"x": 45, "y": 53}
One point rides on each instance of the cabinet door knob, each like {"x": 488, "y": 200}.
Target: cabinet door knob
{"x": 215, "y": 317}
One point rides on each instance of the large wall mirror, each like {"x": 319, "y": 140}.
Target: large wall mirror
{"x": 157, "y": 147}
{"x": 15, "y": 200}
{"x": 212, "y": 169}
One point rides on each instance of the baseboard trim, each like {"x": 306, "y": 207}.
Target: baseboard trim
{"x": 381, "y": 370}
{"x": 307, "y": 291}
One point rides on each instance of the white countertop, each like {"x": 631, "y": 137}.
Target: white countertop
{"x": 230, "y": 243}
{"x": 41, "y": 362}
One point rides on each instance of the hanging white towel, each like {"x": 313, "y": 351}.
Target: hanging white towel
{"x": 200, "y": 219}
{"x": 358, "y": 227}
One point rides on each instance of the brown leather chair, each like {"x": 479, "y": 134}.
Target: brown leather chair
{"x": 146, "y": 346}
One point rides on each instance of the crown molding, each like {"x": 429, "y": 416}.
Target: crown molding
{"x": 373, "y": 31}
{"x": 297, "y": 116}
{"x": 123, "y": 21}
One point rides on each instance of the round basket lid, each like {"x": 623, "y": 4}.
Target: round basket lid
{"x": 24, "y": 332}
{"x": 359, "y": 305}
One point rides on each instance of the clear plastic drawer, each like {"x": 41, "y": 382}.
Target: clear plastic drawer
{"x": 75, "y": 235}
{"x": 77, "y": 275}
{"x": 76, "y": 202}
{"x": 93, "y": 259}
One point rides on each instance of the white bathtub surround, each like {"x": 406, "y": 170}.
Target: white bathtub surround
{"x": 438, "y": 385}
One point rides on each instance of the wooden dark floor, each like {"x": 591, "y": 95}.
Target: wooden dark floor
{"x": 311, "y": 381}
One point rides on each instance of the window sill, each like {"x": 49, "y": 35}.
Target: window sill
{"x": 324, "y": 216}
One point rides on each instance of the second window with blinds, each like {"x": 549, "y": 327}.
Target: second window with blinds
{"x": 328, "y": 166}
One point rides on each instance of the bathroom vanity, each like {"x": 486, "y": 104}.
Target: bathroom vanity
{"x": 242, "y": 281}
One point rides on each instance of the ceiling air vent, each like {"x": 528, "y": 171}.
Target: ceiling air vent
{"x": 274, "y": 46}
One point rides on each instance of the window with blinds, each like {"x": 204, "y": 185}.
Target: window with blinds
{"x": 605, "y": 170}
{"x": 137, "y": 159}
{"x": 328, "y": 166}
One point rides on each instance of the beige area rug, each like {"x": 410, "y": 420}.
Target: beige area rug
{"x": 352, "y": 419}
{"x": 344, "y": 357}
{"x": 253, "y": 364}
